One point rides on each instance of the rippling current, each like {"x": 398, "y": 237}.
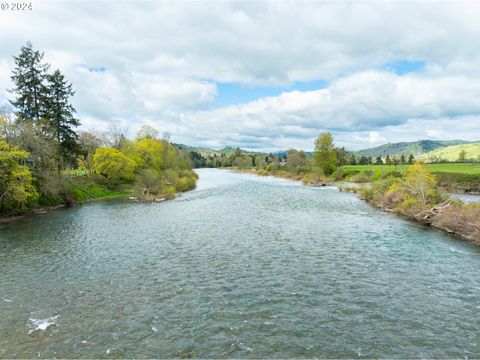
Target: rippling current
{"x": 242, "y": 267}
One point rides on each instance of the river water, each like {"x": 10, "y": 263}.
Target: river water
{"x": 242, "y": 267}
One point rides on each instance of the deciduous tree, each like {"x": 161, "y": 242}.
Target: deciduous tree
{"x": 325, "y": 155}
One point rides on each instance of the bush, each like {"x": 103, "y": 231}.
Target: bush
{"x": 338, "y": 174}
{"x": 148, "y": 182}
{"x": 363, "y": 176}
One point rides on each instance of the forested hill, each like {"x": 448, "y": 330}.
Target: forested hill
{"x": 415, "y": 148}
{"x": 227, "y": 151}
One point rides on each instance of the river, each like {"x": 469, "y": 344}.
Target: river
{"x": 242, "y": 267}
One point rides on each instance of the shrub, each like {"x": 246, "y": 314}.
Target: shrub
{"x": 148, "y": 182}
{"x": 338, "y": 174}
{"x": 363, "y": 176}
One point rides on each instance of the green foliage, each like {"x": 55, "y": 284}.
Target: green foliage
{"x": 61, "y": 122}
{"x": 16, "y": 181}
{"x": 338, "y": 174}
{"x": 29, "y": 77}
{"x": 411, "y": 194}
{"x": 260, "y": 162}
{"x": 148, "y": 182}
{"x": 295, "y": 160}
{"x": 325, "y": 154}
{"x": 363, "y": 176}
{"x": 463, "y": 152}
{"x": 81, "y": 189}
{"x": 465, "y": 168}
{"x": 114, "y": 165}
{"x": 42, "y": 99}
{"x": 243, "y": 162}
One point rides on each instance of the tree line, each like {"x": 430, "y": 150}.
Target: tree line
{"x": 39, "y": 141}
{"x": 297, "y": 160}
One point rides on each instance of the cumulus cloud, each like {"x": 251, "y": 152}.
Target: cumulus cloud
{"x": 160, "y": 62}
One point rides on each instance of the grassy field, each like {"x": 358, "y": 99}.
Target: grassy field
{"x": 451, "y": 153}
{"x": 467, "y": 168}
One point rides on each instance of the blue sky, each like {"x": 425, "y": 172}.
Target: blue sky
{"x": 262, "y": 75}
{"x": 231, "y": 93}
{"x": 405, "y": 66}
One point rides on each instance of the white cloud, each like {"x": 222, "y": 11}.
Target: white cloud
{"x": 162, "y": 61}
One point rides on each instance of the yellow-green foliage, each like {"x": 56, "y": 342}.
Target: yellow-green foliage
{"x": 16, "y": 182}
{"x": 113, "y": 164}
{"x": 325, "y": 154}
{"x": 418, "y": 186}
{"x": 414, "y": 192}
{"x": 150, "y": 153}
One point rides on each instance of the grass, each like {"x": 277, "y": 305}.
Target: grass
{"x": 453, "y": 177}
{"x": 451, "y": 153}
{"x": 465, "y": 168}
{"x": 85, "y": 188}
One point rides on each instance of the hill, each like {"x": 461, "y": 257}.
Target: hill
{"x": 227, "y": 151}
{"x": 451, "y": 153}
{"x": 416, "y": 148}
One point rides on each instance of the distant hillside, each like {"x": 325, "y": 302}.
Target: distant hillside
{"x": 451, "y": 153}
{"x": 415, "y": 148}
{"x": 210, "y": 152}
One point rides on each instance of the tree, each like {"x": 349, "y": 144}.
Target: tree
{"x": 152, "y": 153}
{"x": 117, "y": 136}
{"x": 16, "y": 181}
{"x": 60, "y": 117}
{"x": 30, "y": 138}
{"x": 243, "y": 162}
{"x": 260, "y": 162}
{"x": 113, "y": 165}
{"x": 417, "y": 188}
{"x": 353, "y": 160}
{"x": 379, "y": 161}
{"x": 88, "y": 142}
{"x": 411, "y": 159}
{"x": 395, "y": 161}
{"x": 342, "y": 156}
{"x": 363, "y": 160}
{"x": 325, "y": 155}
{"x": 29, "y": 76}
{"x": 462, "y": 156}
{"x": 402, "y": 159}
{"x": 148, "y": 132}
{"x": 147, "y": 182}
{"x": 295, "y": 160}
{"x": 388, "y": 161}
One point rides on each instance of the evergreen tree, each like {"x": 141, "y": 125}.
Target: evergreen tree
{"x": 379, "y": 161}
{"x": 411, "y": 159}
{"x": 388, "y": 161}
{"x": 29, "y": 77}
{"x": 353, "y": 160}
{"x": 60, "y": 116}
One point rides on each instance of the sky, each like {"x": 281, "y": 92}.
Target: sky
{"x": 262, "y": 76}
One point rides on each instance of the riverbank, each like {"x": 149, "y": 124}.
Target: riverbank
{"x": 308, "y": 179}
{"x": 450, "y": 215}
